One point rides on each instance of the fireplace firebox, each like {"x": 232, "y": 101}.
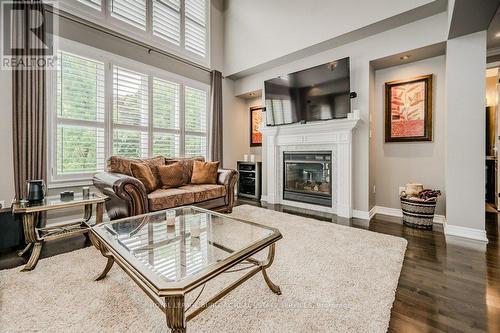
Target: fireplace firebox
{"x": 308, "y": 177}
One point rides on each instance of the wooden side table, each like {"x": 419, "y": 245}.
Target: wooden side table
{"x": 35, "y": 237}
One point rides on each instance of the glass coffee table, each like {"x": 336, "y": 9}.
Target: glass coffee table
{"x": 173, "y": 252}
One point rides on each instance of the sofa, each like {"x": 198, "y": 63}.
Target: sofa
{"x": 128, "y": 195}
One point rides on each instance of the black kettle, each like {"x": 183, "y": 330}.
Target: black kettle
{"x": 36, "y": 190}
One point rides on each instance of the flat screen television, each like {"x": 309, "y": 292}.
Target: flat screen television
{"x": 318, "y": 93}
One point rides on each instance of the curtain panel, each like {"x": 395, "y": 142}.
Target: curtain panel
{"x": 28, "y": 103}
{"x": 216, "y": 111}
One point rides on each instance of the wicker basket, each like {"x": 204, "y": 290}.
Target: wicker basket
{"x": 418, "y": 214}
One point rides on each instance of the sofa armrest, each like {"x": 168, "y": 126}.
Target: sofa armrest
{"x": 128, "y": 196}
{"x": 228, "y": 178}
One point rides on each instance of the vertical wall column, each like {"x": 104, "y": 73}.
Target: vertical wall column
{"x": 465, "y": 136}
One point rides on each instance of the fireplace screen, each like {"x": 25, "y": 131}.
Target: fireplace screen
{"x": 307, "y": 177}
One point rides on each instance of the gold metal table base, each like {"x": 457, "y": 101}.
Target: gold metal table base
{"x": 36, "y": 237}
{"x": 174, "y": 306}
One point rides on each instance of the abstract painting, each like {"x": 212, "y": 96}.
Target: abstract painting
{"x": 408, "y": 110}
{"x": 255, "y": 126}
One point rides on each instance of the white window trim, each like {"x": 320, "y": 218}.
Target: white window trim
{"x": 110, "y": 60}
{"x": 104, "y": 18}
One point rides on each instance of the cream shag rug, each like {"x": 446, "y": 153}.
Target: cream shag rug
{"x": 333, "y": 278}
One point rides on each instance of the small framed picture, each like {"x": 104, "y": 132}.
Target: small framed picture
{"x": 256, "y": 117}
{"x": 408, "y": 109}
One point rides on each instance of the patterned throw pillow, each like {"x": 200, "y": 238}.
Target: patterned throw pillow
{"x": 204, "y": 172}
{"x": 174, "y": 175}
{"x": 143, "y": 172}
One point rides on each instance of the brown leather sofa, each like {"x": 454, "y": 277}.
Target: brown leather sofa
{"x": 128, "y": 196}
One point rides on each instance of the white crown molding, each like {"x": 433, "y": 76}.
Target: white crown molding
{"x": 463, "y": 232}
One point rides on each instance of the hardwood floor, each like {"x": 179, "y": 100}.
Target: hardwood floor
{"x": 442, "y": 288}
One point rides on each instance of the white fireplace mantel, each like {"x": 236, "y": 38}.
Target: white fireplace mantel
{"x": 332, "y": 135}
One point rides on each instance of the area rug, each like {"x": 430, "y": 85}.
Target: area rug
{"x": 333, "y": 279}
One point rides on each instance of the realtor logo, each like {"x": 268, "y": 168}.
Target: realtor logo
{"x": 27, "y": 35}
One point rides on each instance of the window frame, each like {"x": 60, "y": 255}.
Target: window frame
{"x": 110, "y": 60}
{"x": 105, "y": 19}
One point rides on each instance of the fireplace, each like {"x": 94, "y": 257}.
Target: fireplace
{"x": 307, "y": 177}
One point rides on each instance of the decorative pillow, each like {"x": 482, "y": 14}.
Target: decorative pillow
{"x": 204, "y": 172}
{"x": 187, "y": 163}
{"x": 142, "y": 171}
{"x": 122, "y": 164}
{"x": 173, "y": 175}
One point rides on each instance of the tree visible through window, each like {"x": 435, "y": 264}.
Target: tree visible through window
{"x": 80, "y": 114}
{"x": 139, "y": 116}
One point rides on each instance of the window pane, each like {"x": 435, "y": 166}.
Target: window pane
{"x": 196, "y": 37}
{"x": 167, "y": 20}
{"x": 166, "y": 144}
{"x": 80, "y": 88}
{"x": 196, "y": 145}
{"x": 130, "y": 97}
{"x": 131, "y": 11}
{"x": 196, "y": 110}
{"x": 130, "y": 143}
{"x": 166, "y": 108}
{"x": 96, "y": 4}
{"x": 79, "y": 149}
{"x": 196, "y": 11}
{"x": 196, "y": 31}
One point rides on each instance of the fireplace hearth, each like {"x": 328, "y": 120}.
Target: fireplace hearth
{"x": 308, "y": 177}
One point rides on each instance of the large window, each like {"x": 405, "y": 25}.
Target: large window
{"x": 114, "y": 106}
{"x": 179, "y": 26}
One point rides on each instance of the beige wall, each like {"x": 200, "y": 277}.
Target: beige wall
{"x": 235, "y": 125}
{"x": 465, "y": 132}
{"x": 399, "y": 163}
{"x": 424, "y": 32}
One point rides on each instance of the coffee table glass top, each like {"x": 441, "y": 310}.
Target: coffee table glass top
{"x": 179, "y": 244}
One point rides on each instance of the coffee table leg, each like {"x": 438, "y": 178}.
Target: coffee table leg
{"x": 270, "y": 259}
{"x": 109, "y": 264}
{"x": 174, "y": 311}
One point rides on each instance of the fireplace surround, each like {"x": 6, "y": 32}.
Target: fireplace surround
{"x": 333, "y": 137}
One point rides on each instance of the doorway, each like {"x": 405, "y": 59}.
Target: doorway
{"x": 492, "y": 182}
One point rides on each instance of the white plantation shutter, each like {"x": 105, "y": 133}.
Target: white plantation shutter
{"x": 167, "y": 20}
{"x": 166, "y": 118}
{"x": 101, "y": 108}
{"x": 178, "y": 26}
{"x": 196, "y": 27}
{"x": 96, "y": 4}
{"x": 132, "y": 12}
{"x": 79, "y": 135}
{"x": 195, "y": 103}
{"x": 130, "y": 113}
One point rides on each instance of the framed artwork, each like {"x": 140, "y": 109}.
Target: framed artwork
{"x": 408, "y": 110}
{"x": 256, "y": 117}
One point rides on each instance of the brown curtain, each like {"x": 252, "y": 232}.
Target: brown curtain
{"x": 28, "y": 104}
{"x": 216, "y": 104}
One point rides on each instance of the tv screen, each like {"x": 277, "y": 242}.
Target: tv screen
{"x": 318, "y": 93}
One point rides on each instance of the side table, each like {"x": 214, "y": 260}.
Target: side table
{"x": 35, "y": 237}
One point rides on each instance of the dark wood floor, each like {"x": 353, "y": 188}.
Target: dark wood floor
{"x": 442, "y": 287}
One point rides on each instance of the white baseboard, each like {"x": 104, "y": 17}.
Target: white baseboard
{"x": 440, "y": 219}
{"x": 463, "y": 232}
{"x": 263, "y": 198}
{"x": 360, "y": 214}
